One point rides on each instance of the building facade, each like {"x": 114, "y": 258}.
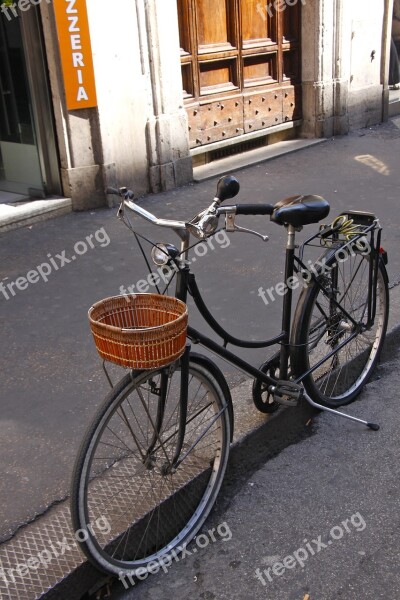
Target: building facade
{"x": 136, "y": 92}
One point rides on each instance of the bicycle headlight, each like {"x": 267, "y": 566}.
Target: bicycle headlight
{"x": 161, "y": 254}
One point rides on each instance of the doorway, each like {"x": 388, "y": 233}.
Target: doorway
{"x": 28, "y": 154}
{"x": 240, "y": 67}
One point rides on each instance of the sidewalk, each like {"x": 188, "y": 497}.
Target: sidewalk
{"x": 51, "y": 376}
{"x": 318, "y": 522}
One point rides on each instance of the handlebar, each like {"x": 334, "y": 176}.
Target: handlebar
{"x": 205, "y": 223}
{"x": 153, "y": 219}
{"x": 127, "y": 197}
{"x": 122, "y": 192}
{"x": 254, "y": 209}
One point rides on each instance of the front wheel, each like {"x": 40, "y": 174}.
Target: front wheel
{"x": 340, "y": 368}
{"x": 134, "y": 508}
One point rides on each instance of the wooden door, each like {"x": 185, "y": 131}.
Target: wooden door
{"x": 240, "y": 66}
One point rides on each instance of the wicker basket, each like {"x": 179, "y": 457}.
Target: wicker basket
{"x": 143, "y": 331}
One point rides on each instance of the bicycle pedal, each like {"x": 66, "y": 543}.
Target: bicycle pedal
{"x": 287, "y": 393}
{"x": 285, "y": 401}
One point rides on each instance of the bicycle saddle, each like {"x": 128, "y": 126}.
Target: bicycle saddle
{"x": 300, "y": 210}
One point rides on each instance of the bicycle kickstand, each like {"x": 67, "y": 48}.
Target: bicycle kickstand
{"x": 373, "y": 426}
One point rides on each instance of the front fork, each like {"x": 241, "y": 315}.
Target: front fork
{"x": 181, "y": 294}
{"x": 156, "y": 440}
{"x": 183, "y": 403}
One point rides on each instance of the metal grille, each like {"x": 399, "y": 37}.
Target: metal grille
{"x": 44, "y": 553}
{"x": 39, "y": 556}
{"x": 238, "y": 148}
{"x": 123, "y": 510}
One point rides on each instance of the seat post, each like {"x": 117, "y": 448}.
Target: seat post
{"x": 287, "y": 301}
{"x": 291, "y": 238}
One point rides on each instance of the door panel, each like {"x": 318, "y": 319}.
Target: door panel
{"x": 262, "y": 110}
{"x": 256, "y": 29}
{"x": 240, "y": 67}
{"x": 215, "y": 121}
{"x": 184, "y": 27}
{"x": 216, "y": 32}
{"x": 260, "y": 69}
{"x": 291, "y": 65}
{"x": 217, "y": 76}
{"x": 292, "y": 103}
{"x": 291, "y": 23}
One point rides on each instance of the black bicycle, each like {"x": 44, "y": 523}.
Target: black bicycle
{"x": 153, "y": 460}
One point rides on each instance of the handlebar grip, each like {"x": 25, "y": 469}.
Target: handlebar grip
{"x": 129, "y": 195}
{"x": 122, "y": 192}
{"x": 112, "y": 191}
{"x": 254, "y": 209}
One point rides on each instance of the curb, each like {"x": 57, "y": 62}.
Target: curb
{"x": 252, "y": 157}
{"x": 14, "y": 217}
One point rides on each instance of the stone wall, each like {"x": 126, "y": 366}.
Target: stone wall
{"x": 138, "y": 134}
{"x": 345, "y": 64}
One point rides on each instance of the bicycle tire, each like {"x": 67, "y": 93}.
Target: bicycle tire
{"x": 145, "y": 523}
{"x": 318, "y": 326}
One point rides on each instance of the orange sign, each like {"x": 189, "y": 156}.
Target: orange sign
{"x": 76, "y": 53}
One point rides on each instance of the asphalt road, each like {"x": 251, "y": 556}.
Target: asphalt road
{"x": 51, "y": 376}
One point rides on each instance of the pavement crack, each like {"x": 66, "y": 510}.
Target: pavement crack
{"x": 8, "y": 537}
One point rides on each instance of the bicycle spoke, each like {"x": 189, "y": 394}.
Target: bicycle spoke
{"x": 335, "y": 332}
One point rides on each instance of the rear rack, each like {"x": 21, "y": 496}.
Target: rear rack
{"x": 347, "y": 229}
{"x": 356, "y": 231}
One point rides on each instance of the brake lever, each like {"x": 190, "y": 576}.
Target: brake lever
{"x": 231, "y": 227}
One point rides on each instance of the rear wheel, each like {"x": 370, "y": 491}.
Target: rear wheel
{"x": 133, "y": 508}
{"x": 320, "y": 328}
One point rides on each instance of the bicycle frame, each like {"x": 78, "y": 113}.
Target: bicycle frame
{"x": 186, "y": 283}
